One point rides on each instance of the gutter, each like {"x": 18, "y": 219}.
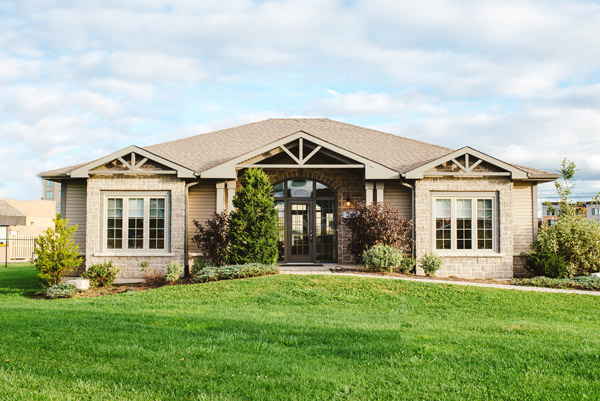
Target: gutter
{"x": 186, "y": 251}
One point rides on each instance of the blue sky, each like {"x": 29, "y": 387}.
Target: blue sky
{"x": 80, "y": 79}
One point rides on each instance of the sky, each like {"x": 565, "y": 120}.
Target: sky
{"x": 81, "y": 79}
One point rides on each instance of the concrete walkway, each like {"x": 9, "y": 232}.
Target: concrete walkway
{"x": 333, "y": 269}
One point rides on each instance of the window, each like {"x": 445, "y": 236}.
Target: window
{"x": 136, "y": 222}
{"x": 464, "y": 222}
{"x": 595, "y": 211}
{"x": 48, "y": 183}
{"x": 49, "y": 195}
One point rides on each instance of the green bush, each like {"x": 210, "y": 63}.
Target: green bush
{"x": 253, "y": 224}
{"x": 101, "y": 275}
{"x": 57, "y": 254}
{"x": 580, "y": 282}
{"x": 382, "y": 258}
{"x": 574, "y": 240}
{"x": 173, "y": 272}
{"x": 408, "y": 265}
{"x": 61, "y": 290}
{"x": 546, "y": 264}
{"x": 431, "y": 263}
{"x": 204, "y": 273}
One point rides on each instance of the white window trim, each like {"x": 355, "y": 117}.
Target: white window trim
{"x": 145, "y": 251}
{"x": 473, "y": 196}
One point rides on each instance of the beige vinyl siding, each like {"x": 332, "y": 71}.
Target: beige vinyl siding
{"x": 74, "y": 209}
{"x": 522, "y": 216}
{"x": 398, "y": 196}
{"x": 202, "y": 203}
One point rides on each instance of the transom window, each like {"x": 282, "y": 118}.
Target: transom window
{"x": 464, "y": 222}
{"x": 137, "y": 221}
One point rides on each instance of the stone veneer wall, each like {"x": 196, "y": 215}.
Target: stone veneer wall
{"x": 129, "y": 264}
{"x": 498, "y": 265}
{"x": 348, "y": 183}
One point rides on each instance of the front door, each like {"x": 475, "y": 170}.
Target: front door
{"x": 300, "y": 231}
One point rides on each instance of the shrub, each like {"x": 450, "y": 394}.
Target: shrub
{"x": 431, "y": 263}
{"x": 57, "y": 254}
{"x": 408, "y": 265}
{"x": 572, "y": 238}
{"x": 382, "y": 258}
{"x": 580, "y": 283}
{"x": 61, "y": 290}
{"x": 101, "y": 275}
{"x": 153, "y": 276}
{"x": 205, "y": 273}
{"x": 212, "y": 238}
{"x": 377, "y": 223}
{"x": 546, "y": 264}
{"x": 173, "y": 271}
{"x": 253, "y": 224}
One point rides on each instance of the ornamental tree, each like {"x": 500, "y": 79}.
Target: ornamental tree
{"x": 378, "y": 223}
{"x": 253, "y": 223}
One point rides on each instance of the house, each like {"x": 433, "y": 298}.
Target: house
{"x": 51, "y": 191}
{"x": 20, "y": 222}
{"x": 138, "y": 204}
{"x": 589, "y": 209}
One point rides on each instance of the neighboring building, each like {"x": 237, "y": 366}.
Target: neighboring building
{"x": 20, "y": 222}
{"x": 589, "y": 209}
{"x": 138, "y": 204}
{"x": 51, "y": 191}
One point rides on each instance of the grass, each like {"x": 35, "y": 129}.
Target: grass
{"x": 298, "y": 337}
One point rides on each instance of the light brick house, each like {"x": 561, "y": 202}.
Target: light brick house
{"x": 139, "y": 204}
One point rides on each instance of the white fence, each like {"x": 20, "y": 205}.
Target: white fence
{"x": 20, "y": 247}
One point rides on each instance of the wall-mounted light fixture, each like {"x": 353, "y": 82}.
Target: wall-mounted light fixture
{"x": 348, "y": 201}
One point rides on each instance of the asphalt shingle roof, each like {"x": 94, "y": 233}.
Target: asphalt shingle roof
{"x": 204, "y": 151}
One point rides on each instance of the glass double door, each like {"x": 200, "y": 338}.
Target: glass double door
{"x": 300, "y": 231}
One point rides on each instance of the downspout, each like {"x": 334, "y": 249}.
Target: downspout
{"x": 186, "y": 251}
{"x": 413, "y": 212}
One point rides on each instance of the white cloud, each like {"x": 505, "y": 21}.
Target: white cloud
{"x": 517, "y": 79}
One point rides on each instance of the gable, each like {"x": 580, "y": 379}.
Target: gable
{"x": 300, "y": 150}
{"x": 132, "y": 161}
{"x": 466, "y": 162}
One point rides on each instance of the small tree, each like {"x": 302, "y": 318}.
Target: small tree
{"x": 571, "y": 246}
{"x": 57, "y": 253}
{"x": 253, "y": 224}
{"x": 212, "y": 238}
{"x": 378, "y": 223}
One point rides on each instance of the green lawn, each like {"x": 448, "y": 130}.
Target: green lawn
{"x": 298, "y": 337}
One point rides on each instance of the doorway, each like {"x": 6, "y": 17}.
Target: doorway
{"x": 307, "y": 218}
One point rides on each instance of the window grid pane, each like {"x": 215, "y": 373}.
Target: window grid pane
{"x": 114, "y": 226}
{"x": 484, "y": 224}
{"x": 136, "y": 224}
{"x": 157, "y": 223}
{"x": 463, "y": 224}
{"x": 443, "y": 224}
